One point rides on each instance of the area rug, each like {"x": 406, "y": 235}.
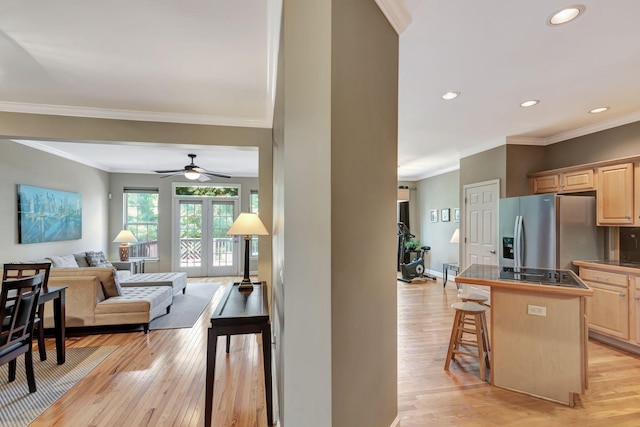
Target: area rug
{"x": 18, "y": 407}
{"x": 187, "y": 308}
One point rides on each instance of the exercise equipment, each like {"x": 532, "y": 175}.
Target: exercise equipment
{"x": 415, "y": 268}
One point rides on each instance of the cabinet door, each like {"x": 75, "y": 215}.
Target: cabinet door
{"x": 636, "y": 186}
{"x": 544, "y": 184}
{"x": 615, "y": 194}
{"x": 571, "y": 182}
{"x": 636, "y": 307}
{"x": 608, "y": 310}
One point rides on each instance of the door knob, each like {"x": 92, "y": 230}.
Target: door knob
{"x": 492, "y": 251}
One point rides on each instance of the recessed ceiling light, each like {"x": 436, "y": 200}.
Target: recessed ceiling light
{"x": 529, "y": 103}
{"x": 450, "y": 95}
{"x": 599, "y": 110}
{"x": 565, "y": 15}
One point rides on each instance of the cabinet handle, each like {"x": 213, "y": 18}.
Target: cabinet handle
{"x": 636, "y": 297}
{"x": 627, "y": 217}
{"x": 603, "y": 279}
{"x": 622, "y": 294}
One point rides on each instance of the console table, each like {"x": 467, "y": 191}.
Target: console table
{"x": 240, "y": 313}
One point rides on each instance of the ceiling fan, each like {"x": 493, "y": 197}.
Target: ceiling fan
{"x": 192, "y": 172}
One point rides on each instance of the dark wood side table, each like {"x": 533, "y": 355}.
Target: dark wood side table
{"x": 57, "y": 295}
{"x": 240, "y": 313}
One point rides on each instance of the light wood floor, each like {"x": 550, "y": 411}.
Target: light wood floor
{"x": 159, "y": 379}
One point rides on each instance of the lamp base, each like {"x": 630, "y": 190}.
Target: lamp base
{"x": 124, "y": 253}
{"x": 246, "y": 285}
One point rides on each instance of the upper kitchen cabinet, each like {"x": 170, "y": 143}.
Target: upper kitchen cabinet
{"x": 615, "y": 195}
{"x": 562, "y": 182}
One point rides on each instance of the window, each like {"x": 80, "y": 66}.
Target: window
{"x": 254, "y": 209}
{"x": 141, "y": 217}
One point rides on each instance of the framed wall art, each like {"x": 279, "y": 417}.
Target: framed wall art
{"x": 444, "y": 215}
{"x": 433, "y": 215}
{"x": 46, "y": 215}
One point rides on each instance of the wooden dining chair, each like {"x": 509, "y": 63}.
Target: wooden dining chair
{"x": 17, "y": 271}
{"x": 18, "y": 304}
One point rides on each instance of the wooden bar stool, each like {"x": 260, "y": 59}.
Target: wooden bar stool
{"x": 469, "y": 319}
{"x": 479, "y": 299}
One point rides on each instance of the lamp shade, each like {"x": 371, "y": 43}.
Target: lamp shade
{"x": 191, "y": 174}
{"x": 125, "y": 236}
{"x": 403, "y": 194}
{"x": 247, "y": 224}
{"x": 456, "y": 236}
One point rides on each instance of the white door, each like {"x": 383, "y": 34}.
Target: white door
{"x": 480, "y": 228}
{"x": 202, "y": 247}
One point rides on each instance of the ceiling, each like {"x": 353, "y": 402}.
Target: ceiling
{"x": 213, "y": 62}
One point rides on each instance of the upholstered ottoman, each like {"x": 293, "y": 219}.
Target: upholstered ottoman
{"x": 177, "y": 281}
{"x": 139, "y": 304}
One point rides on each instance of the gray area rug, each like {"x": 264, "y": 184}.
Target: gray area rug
{"x": 187, "y": 308}
{"x": 18, "y": 407}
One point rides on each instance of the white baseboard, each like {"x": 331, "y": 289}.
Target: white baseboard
{"x": 396, "y": 422}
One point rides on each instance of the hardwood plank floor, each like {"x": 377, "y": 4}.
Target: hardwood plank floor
{"x": 159, "y": 379}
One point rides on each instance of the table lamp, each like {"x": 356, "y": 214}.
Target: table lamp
{"x": 125, "y": 237}
{"x": 247, "y": 225}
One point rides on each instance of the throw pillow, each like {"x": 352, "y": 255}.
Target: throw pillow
{"x": 117, "y": 282}
{"x": 63, "y": 261}
{"x": 81, "y": 259}
{"x": 97, "y": 259}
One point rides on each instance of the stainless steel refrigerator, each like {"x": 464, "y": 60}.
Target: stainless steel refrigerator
{"x": 548, "y": 231}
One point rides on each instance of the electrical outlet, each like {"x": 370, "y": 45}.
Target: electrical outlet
{"x": 536, "y": 310}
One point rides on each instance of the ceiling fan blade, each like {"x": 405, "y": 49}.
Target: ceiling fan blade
{"x": 219, "y": 175}
{"x": 203, "y": 178}
{"x": 170, "y": 171}
{"x": 172, "y": 174}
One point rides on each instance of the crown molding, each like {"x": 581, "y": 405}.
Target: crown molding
{"x": 146, "y": 116}
{"x": 586, "y": 130}
{"x": 526, "y": 140}
{"x": 43, "y": 147}
{"x": 397, "y": 14}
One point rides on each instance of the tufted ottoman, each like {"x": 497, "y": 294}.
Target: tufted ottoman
{"x": 136, "y": 305}
{"x": 177, "y": 281}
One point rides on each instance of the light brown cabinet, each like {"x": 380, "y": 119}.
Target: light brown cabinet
{"x": 636, "y": 307}
{"x": 615, "y": 197}
{"x": 575, "y": 181}
{"x": 608, "y": 308}
{"x": 544, "y": 184}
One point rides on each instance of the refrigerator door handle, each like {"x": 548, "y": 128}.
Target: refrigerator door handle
{"x": 517, "y": 244}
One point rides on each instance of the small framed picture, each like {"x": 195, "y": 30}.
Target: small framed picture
{"x": 456, "y": 214}
{"x": 444, "y": 215}
{"x": 433, "y": 215}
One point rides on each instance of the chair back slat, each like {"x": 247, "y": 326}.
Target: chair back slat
{"x": 18, "y": 303}
{"x": 17, "y": 271}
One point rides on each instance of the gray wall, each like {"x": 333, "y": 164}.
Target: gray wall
{"x": 439, "y": 192}
{"x": 84, "y": 130}
{"x": 622, "y": 141}
{"x": 23, "y": 165}
{"x": 118, "y": 182}
{"x": 522, "y": 160}
{"x": 484, "y": 166}
{"x": 336, "y": 123}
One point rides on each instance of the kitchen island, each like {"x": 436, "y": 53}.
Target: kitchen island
{"x": 538, "y": 332}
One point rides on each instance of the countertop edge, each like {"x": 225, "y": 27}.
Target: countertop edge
{"x": 602, "y": 266}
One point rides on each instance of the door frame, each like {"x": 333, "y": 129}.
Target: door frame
{"x": 207, "y": 222}
{"x": 465, "y": 188}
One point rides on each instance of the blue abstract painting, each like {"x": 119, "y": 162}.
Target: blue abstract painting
{"x": 46, "y": 215}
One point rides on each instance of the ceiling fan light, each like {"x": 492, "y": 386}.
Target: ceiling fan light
{"x": 191, "y": 174}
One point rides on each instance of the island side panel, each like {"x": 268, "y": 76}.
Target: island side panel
{"x": 543, "y": 356}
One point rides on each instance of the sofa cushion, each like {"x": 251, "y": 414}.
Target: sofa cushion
{"x": 97, "y": 259}
{"x": 81, "y": 259}
{"x": 63, "y": 261}
{"x": 150, "y": 300}
{"x": 177, "y": 280}
{"x": 106, "y": 275}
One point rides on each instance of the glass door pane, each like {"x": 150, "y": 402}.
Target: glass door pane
{"x": 191, "y": 230}
{"x": 223, "y": 253}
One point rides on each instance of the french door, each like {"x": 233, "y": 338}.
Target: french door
{"x": 201, "y": 246}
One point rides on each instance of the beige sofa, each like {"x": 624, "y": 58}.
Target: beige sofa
{"x": 95, "y": 298}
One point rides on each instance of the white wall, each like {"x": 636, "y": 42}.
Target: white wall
{"x": 23, "y": 165}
